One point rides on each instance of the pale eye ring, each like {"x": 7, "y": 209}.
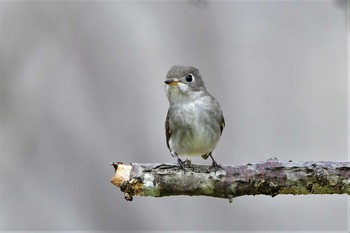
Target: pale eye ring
{"x": 189, "y": 78}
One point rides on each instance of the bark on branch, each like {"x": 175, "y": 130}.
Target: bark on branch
{"x": 268, "y": 178}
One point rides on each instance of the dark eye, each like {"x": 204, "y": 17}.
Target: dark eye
{"x": 189, "y": 78}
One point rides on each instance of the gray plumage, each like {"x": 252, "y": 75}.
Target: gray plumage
{"x": 194, "y": 122}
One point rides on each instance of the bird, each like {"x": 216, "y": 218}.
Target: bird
{"x": 194, "y": 121}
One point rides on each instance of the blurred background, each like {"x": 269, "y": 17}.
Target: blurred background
{"x": 82, "y": 85}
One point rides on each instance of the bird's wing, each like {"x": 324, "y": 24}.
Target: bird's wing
{"x": 218, "y": 112}
{"x": 167, "y": 130}
{"x": 222, "y": 125}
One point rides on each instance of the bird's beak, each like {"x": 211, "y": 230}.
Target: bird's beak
{"x": 172, "y": 82}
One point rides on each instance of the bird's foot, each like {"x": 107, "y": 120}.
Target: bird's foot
{"x": 215, "y": 166}
{"x": 181, "y": 163}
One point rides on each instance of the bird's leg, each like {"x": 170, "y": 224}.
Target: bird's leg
{"x": 214, "y": 165}
{"x": 179, "y": 161}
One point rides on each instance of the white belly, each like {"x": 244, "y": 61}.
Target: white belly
{"x": 193, "y": 134}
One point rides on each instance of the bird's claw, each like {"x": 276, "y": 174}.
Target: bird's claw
{"x": 181, "y": 164}
{"x": 215, "y": 166}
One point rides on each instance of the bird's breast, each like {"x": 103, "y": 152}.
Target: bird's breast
{"x": 193, "y": 130}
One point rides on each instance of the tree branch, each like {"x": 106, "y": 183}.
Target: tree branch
{"x": 268, "y": 178}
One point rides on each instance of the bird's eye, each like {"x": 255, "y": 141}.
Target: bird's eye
{"x": 189, "y": 78}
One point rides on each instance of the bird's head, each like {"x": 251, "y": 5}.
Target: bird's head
{"x": 184, "y": 83}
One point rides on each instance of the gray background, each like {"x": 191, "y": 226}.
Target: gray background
{"x": 82, "y": 86}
